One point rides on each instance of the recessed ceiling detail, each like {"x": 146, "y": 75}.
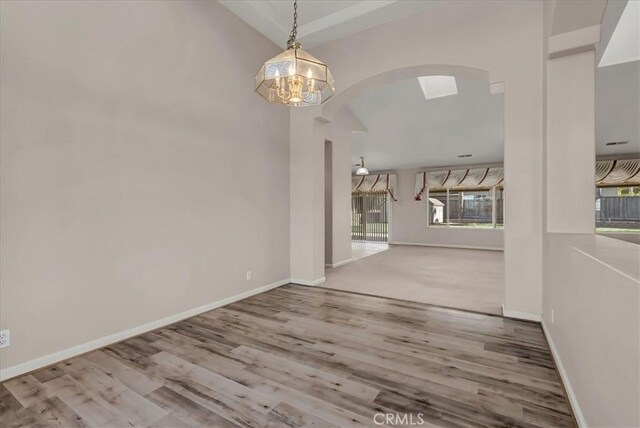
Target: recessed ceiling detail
{"x": 324, "y": 21}
{"x": 438, "y": 86}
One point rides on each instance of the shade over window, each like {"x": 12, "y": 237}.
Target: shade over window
{"x": 459, "y": 179}
{"x": 624, "y": 172}
{"x": 618, "y": 172}
{"x": 374, "y": 183}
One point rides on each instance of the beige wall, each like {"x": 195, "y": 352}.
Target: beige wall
{"x": 141, "y": 176}
{"x": 409, "y": 222}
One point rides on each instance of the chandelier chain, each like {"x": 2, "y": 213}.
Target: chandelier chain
{"x": 294, "y": 30}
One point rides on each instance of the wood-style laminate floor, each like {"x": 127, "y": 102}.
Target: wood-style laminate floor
{"x": 303, "y": 356}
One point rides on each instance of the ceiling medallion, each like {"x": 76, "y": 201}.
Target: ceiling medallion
{"x": 294, "y": 78}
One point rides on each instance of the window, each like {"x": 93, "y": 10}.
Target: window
{"x": 466, "y": 208}
{"x": 618, "y": 209}
{"x": 471, "y": 208}
{"x": 438, "y": 209}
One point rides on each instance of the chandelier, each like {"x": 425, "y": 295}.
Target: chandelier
{"x": 295, "y": 78}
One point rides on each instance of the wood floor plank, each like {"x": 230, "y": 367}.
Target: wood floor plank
{"x": 134, "y": 379}
{"x": 134, "y": 407}
{"x": 237, "y": 410}
{"x": 186, "y": 410}
{"x": 335, "y": 414}
{"x": 293, "y": 417}
{"x": 304, "y": 356}
{"x": 8, "y": 403}
{"x": 52, "y": 412}
{"x": 234, "y": 401}
{"x": 27, "y": 390}
{"x": 395, "y": 382}
{"x": 93, "y": 409}
{"x": 409, "y": 366}
{"x": 169, "y": 421}
{"x": 48, "y": 373}
{"x": 320, "y": 378}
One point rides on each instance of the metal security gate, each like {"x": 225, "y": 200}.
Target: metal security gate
{"x": 369, "y": 217}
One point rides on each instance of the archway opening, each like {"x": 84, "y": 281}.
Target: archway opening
{"x": 433, "y": 140}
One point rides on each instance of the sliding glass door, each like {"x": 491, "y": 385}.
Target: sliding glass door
{"x": 369, "y": 216}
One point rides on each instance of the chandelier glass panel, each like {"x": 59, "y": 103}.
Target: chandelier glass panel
{"x": 295, "y": 78}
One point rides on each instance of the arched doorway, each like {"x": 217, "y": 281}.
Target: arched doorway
{"x": 484, "y": 272}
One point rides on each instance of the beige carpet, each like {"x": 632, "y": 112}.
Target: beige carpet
{"x": 457, "y": 278}
{"x": 361, "y": 250}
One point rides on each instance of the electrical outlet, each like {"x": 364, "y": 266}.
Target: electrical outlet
{"x": 248, "y": 275}
{"x": 5, "y": 338}
{"x": 552, "y": 316}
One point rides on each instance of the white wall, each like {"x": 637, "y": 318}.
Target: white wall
{"x": 141, "y": 175}
{"x": 409, "y": 222}
{"x": 593, "y": 288}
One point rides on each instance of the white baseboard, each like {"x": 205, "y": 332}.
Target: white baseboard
{"x": 306, "y": 282}
{"x": 464, "y": 247}
{"x": 338, "y": 264}
{"x": 577, "y": 411}
{"x": 56, "y": 357}
{"x": 527, "y": 316}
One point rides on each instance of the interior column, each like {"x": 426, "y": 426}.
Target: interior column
{"x": 307, "y": 197}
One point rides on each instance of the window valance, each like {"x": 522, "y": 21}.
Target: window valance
{"x": 475, "y": 178}
{"x": 608, "y": 173}
{"x": 374, "y": 183}
{"x": 618, "y": 172}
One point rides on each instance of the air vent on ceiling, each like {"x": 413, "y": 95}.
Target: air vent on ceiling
{"x": 465, "y": 156}
{"x": 616, "y": 143}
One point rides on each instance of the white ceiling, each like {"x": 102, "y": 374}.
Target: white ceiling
{"x": 320, "y": 21}
{"x": 405, "y": 130}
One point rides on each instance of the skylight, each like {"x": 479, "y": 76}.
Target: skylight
{"x": 438, "y": 86}
{"x": 624, "y": 45}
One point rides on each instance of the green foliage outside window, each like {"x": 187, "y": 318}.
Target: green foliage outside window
{"x": 629, "y": 191}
